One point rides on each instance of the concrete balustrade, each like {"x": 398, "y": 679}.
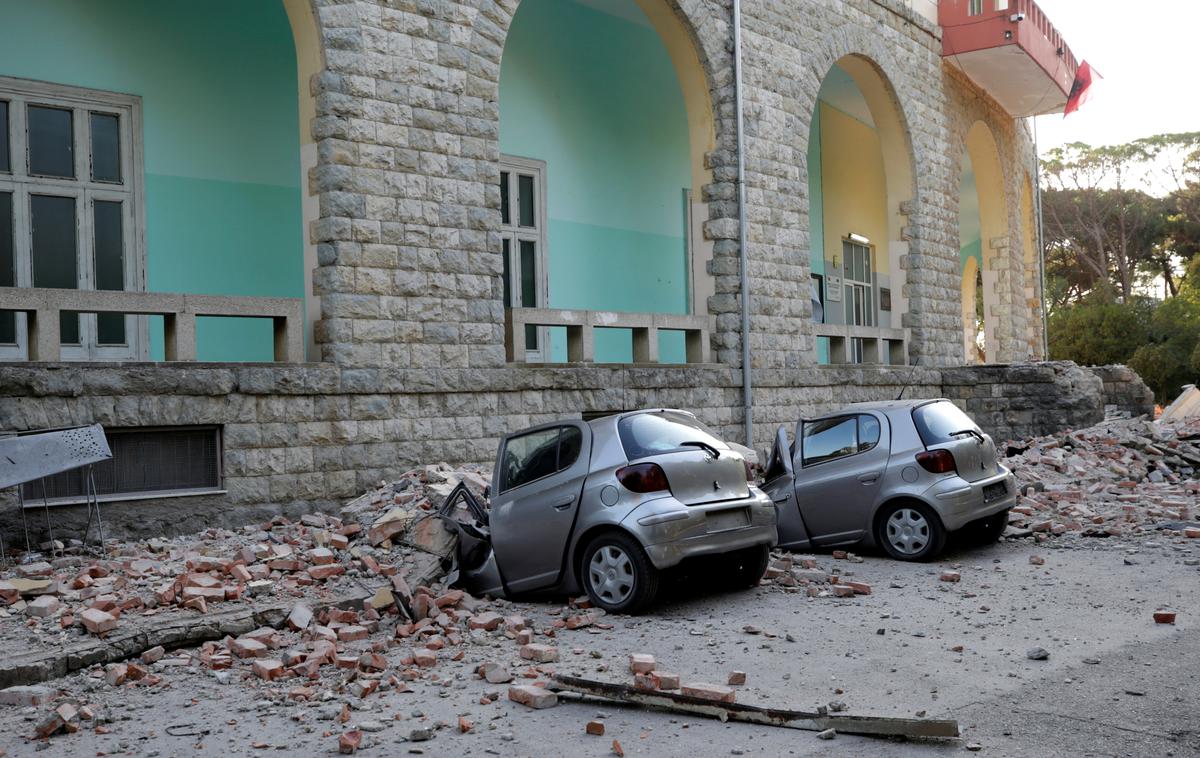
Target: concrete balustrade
{"x": 883, "y": 346}
{"x": 581, "y": 326}
{"x": 42, "y": 306}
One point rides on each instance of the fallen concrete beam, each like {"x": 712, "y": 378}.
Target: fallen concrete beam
{"x": 130, "y": 640}
{"x": 872, "y": 726}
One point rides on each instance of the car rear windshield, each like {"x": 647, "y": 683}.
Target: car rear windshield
{"x": 937, "y": 422}
{"x": 647, "y": 434}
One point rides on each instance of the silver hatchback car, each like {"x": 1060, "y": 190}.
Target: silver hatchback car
{"x": 900, "y": 475}
{"x": 606, "y": 505}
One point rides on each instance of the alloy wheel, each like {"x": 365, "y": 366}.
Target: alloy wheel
{"x": 611, "y": 574}
{"x": 908, "y": 531}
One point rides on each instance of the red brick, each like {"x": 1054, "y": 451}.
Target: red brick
{"x": 300, "y": 617}
{"x": 240, "y": 572}
{"x": 860, "y": 588}
{"x": 1036, "y": 560}
{"x": 539, "y": 653}
{"x": 640, "y": 663}
{"x": 325, "y": 572}
{"x": 424, "y": 657}
{"x": 196, "y": 604}
{"x": 352, "y": 633}
{"x": 595, "y": 728}
{"x": 245, "y": 647}
{"x": 737, "y": 678}
{"x": 153, "y": 655}
{"x": 667, "y": 680}
{"x": 348, "y": 742}
{"x": 950, "y": 576}
{"x": 268, "y": 668}
{"x": 1164, "y": 617}
{"x": 525, "y": 636}
{"x": 96, "y": 621}
{"x": 532, "y": 696}
{"x": 843, "y": 590}
{"x": 116, "y": 674}
{"x": 707, "y": 691}
{"x": 1191, "y": 532}
{"x": 486, "y": 621}
{"x": 321, "y": 556}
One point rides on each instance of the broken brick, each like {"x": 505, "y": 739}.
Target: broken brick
{"x": 737, "y": 678}
{"x": 268, "y": 668}
{"x": 707, "y": 691}
{"x": 539, "y": 653}
{"x": 532, "y": 696}
{"x": 595, "y": 728}
{"x": 640, "y": 663}
{"x": 97, "y": 621}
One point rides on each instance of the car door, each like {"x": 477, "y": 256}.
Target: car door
{"x": 780, "y": 484}
{"x": 839, "y": 464}
{"x": 538, "y": 481}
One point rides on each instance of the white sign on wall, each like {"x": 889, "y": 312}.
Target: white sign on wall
{"x": 833, "y": 288}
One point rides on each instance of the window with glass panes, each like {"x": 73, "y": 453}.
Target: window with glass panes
{"x": 858, "y": 292}
{"x": 523, "y": 242}
{"x": 70, "y": 210}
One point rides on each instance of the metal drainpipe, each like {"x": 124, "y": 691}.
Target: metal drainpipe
{"x": 1037, "y": 189}
{"x": 747, "y": 388}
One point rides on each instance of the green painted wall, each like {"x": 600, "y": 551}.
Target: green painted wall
{"x": 816, "y": 214}
{"x": 221, "y": 142}
{"x": 595, "y": 95}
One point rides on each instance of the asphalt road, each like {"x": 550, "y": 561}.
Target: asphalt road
{"x": 894, "y": 652}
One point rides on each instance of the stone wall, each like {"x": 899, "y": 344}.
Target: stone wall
{"x": 1031, "y": 399}
{"x": 1125, "y": 390}
{"x": 308, "y": 437}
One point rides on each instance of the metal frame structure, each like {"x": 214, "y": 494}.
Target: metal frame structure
{"x": 33, "y": 457}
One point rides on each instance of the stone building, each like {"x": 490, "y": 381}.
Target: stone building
{"x": 284, "y": 248}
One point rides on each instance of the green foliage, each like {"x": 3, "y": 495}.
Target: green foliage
{"x": 1098, "y": 331}
{"x": 1167, "y": 361}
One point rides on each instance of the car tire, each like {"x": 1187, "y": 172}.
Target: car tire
{"x": 990, "y": 529}
{"x": 745, "y": 568}
{"x": 617, "y": 574}
{"x": 910, "y": 531}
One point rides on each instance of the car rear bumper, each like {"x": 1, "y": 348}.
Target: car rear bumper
{"x": 671, "y": 531}
{"x": 959, "y": 502}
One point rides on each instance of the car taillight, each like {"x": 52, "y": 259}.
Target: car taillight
{"x": 937, "y": 461}
{"x": 643, "y": 477}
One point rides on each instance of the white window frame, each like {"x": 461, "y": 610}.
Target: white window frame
{"x": 861, "y": 302}
{"x": 514, "y": 234}
{"x": 21, "y": 93}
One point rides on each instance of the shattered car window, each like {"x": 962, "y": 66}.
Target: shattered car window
{"x": 532, "y": 456}
{"x": 647, "y": 434}
{"x": 529, "y": 457}
{"x": 830, "y": 438}
{"x": 938, "y": 422}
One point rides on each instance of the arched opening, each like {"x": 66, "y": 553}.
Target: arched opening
{"x": 972, "y": 311}
{"x": 604, "y": 123}
{"x": 983, "y": 233}
{"x": 860, "y": 178}
{"x": 201, "y": 106}
{"x": 970, "y": 247}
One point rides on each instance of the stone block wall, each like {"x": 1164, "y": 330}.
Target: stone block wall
{"x": 299, "y": 438}
{"x": 1125, "y": 390}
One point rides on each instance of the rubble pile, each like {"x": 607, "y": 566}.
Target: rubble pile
{"x": 796, "y": 573}
{"x": 388, "y": 534}
{"x": 1117, "y": 478}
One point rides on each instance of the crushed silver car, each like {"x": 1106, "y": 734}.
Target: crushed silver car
{"x": 605, "y": 506}
{"x": 900, "y": 475}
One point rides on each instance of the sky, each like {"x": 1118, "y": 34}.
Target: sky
{"x": 1145, "y": 51}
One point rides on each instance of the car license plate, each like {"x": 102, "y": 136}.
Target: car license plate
{"x": 733, "y": 518}
{"x": 994, "y": 492}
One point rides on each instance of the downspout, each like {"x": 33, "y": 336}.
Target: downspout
{"x": 747, "y": 388}
{"x": 1037, "y": 190}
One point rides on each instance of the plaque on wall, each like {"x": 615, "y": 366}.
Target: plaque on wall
{"x": 885, "y": 299}
{"x": 833, "y": 288}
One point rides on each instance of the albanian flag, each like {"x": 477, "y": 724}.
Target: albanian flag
{"x": 1081, "y": 88}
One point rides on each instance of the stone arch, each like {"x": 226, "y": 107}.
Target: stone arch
{"x": 980, "y": 147}
{"x": 890, "y": 125}
{"x": 310, "y": 61}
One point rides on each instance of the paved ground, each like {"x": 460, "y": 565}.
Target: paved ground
{"x": 1115, "y": 684}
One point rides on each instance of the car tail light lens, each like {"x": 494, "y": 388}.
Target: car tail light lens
{"x": 643, "y": 477}
{"x": 937, "y": 461}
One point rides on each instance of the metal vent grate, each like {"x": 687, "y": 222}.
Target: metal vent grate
{"x": 145, "y": 461}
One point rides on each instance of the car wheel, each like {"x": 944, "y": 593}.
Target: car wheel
{"x": 990, "y": 529}
{"x": 617, "y": 574}
{"x": 745, "y": 568}
{"x": 909, "y": 531}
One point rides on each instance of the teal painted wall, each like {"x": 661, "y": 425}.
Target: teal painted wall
{"x": 221, "y": 141}
{"x": 595, "y": 95}
{"x": 973, "y": 249}
{"x": 816, "y": 214}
